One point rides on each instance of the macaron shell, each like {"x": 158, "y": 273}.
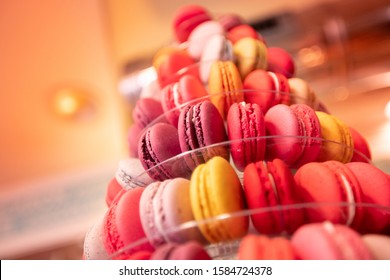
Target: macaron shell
{"x": 242, "y": 31}
{"x": 375, "y": 189}
{"x": 250, "y": 54}
{"x": 378, "y": 245}
{"x": 186, "y": 18}
{"x": 327, "y": 241}
{"x": 231, "y": 20}
{"x": 122, "y": 226}
{"x": 268, "y": 185}
{"x": 174, "y": 206}
{"x": 225, "y": 86}
{"x": 176, "y": 94}
{"x": 130, "y": 173}
{"x": 261, "y": 247}
{"x": 317, "y": 183}
{"x": 244, "y": 121}
{"x": 147, "y": 110}
{"x": 282, "y": 122}
{"x": 200, "y": 36}
{"x": 312, "y": 133}
{"x": 149, "y": 213}
{"x": 362, "y": 150}
{"x": 189, "y": 251}
{"x": 159, "y": 143}
{"x": 338, "y": 144}
{"x": 112, "y": 190}
{"x": 216, "y": 48}
{"x": 302, "y": 93}
{"x": 280, "y": 61}
{"x": 216, "y": 190}
{"x": 93, "y": 247}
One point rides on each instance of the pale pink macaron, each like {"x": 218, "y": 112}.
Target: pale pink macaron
{"x": 327, "y": 241}
{"x": 94, "y": 244}
{"x": 379, "y": 245}
{"x": 165, "y": 209}
{"x": 200, "y": 36}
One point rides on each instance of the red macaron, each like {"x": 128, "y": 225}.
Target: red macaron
{"x": 268, "y": 186}
{"x": 266, "y": 89}
{"x": 246, "y": 131}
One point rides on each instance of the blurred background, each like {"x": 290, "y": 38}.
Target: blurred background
{"x": 68, "y": 77}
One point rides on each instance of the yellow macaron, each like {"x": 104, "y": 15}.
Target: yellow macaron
{"x": 225, "y": 86}
{"x": 250, "y": 54}
{"x": 338, "y": 144}
{"x": 217, "y": 198}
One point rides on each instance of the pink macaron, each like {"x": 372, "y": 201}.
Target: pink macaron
{"x": 176, "y": 94}
{"x": 147, "y": 110}
{"x": 123, "y": 233}
{"x": 190, "y": 250}
{"x": 295, "y": 132}
{"x": 201, "y": 35}
{"x": 327, "y": 241}
{"x": 186, "y": 18}
{"x": 280, "y": 61}
{"x": 200, "y": 126}
{"x": 158, "y": 144}
{"x": 266, "y": 89}
{"x": 246, "y": 131}
{"x": 164, "y": 209}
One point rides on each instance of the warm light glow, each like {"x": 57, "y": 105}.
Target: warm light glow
{"x": 70, "y": 102}
{"x": 312, "y": 56}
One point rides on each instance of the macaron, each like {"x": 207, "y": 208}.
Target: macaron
{"x": 190, "y": 250}
{"x": 230, "y": 20}
{"x": 280, "y": 61}
{"x": 242, "y": 31}
{"x": 327, "y": 241}
{"x": 164, "y": 209}
{"x": 378, "y": 245}
{"x": 218, "y": 47}
{"x": 262, "y": 247}
{"x": 250, "y": 54}
{"x": 93, "y": 246}
{"x": 201, "y": 35}
{"x": 174, "y": 95}
{"x": 302, "y": 92}
{"x": 147, "y": 110}
{"x": 245, "y": 122}
{"x": 266, "y": 89}
{"x": 217, "y": 201}
{"x": 294, "y": 132}
{"x": 157, "y": 145}
{"x": 186, "y": 18}
{"x": 362, "y": 151}
{"x": 133, "y": 135}
{"x": 375, "y": 197}
{"x": 173, "y": 66}
{"x": 123, "y": 233}
{"x": 112, "y": 190}
{"x": 269, "y": 185}
{"x": 130, "y": 174}
{"x": 225, "y": 86}
{"x": 200, "y": 127}
{"x": 338, "y": 141}
{"x": 335, "y": 190}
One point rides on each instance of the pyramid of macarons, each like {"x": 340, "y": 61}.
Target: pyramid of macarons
{"x": 229, "y": 148}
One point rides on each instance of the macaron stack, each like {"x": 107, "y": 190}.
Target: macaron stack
{"x": 229, "y": 151}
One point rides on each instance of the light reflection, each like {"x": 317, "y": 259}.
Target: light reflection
{"x": 312, "y": 56}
